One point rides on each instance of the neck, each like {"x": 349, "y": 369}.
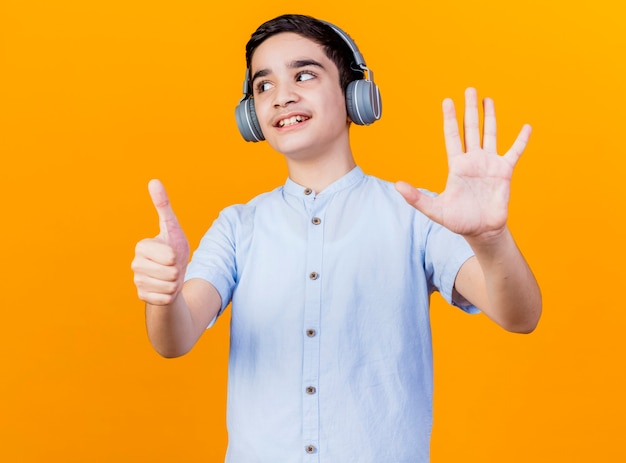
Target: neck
{"x": 319, "y": 172}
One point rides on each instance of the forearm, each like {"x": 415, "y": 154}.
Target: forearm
{"x": 171, "y": 328}
{"x": 510, "y": 294}
{"x": 174, "y": 328}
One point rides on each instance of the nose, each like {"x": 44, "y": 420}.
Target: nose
{"x": 284, "y": 95}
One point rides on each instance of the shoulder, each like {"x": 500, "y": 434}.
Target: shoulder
{"x": 237, "y": 219}
{"x": 381, "y": 200}
{"x": 389, "y": 188}
{"x": 240, "y": 212}
{"x": 382, "y": 193}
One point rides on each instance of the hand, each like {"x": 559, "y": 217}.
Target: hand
{"x": 475, "y": 200}
{"x": 160, "y": 262}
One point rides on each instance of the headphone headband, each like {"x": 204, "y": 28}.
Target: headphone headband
{"x": 358, "y": 57}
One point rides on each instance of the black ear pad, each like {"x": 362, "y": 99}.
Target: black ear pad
{"x": 363, "y": 102}
{"x": 247, "y": 121}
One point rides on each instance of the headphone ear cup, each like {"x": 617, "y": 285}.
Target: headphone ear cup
{"x": 247, "y": 122}
{"x": 363, "y": 102}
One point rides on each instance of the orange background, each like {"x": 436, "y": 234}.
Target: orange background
{"x": 98, "y": 97}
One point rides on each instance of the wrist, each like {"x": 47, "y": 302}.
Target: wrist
{"x": 490, "y": 241}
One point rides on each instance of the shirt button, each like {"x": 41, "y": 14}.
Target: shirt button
{"x": 310, "y": 332}
{"x": 314, "y": 276}
{"x": 308, "y": 191}
{"x": 309, "y": 449}
{"x": 310, "y": 390}
{"x": 316, "y": 221}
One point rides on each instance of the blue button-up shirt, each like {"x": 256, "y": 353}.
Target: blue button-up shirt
{"x": 330, "y": 356}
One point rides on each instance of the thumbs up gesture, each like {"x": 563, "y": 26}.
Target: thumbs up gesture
{"x": 160, "y": 262}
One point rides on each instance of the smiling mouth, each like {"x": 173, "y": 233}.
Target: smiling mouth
{"x": 292, "y": 121}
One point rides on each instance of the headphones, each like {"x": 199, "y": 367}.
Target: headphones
{"x": 363, "y": 102}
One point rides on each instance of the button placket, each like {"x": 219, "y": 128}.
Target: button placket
{"x": 311, "y": 340}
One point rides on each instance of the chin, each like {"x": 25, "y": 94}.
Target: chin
{"x": 296, "y": 147}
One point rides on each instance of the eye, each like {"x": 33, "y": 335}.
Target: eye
{"x": 305, "y": 75}
{"x": 263, "y": 86}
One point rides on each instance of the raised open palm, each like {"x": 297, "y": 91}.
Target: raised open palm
{"x": 475, "y": 200}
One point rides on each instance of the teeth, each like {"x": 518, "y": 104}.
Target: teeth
{"x": 290, "y": 121}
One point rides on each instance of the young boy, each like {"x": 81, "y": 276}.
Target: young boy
{"x": 330, "y": 275}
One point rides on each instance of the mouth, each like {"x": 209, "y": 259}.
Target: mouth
{"x": 293, "y": 120}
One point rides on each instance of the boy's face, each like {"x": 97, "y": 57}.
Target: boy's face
{"x": 297, "y": 97}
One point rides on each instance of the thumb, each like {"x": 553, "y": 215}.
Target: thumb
{"x": 409, "y": 193}
{"x": 420, "y": 201}
{"x": 168, "y": 223}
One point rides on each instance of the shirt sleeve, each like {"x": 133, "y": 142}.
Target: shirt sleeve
{"x": 445, "y": 253}
{"x": 215, "y": 258}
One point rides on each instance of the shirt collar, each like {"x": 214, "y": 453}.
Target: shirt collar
{"x": 349, "y": 179}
